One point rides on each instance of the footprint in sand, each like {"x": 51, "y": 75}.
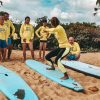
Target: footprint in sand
{"x": 93, "y": 89}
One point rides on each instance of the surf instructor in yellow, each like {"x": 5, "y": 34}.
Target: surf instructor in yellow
{"x": 63, "y": 48}
{"x": 10, "y": 27}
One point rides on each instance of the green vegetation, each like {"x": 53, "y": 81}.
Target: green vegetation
{"x": 86, "y": 34}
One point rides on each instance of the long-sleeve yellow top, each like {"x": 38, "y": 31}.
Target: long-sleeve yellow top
{"x": 60, "y": 35}
{"x": 26, "y": 32}
{"x": 10, "y": 26}
{"x": 75, "y": 48}
{"x": 3, "y": 32}
{"x": 43, "y": 35}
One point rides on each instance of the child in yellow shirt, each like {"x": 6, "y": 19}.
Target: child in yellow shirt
{"x": 27, "y": 35}
{"x": 3, "y": 39}
{"x": 43, "y": 38}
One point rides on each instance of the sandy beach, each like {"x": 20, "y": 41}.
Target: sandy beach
{"x": 49, "y": 90}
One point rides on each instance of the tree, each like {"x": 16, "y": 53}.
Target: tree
{"x": 1, "y": 3}
{"x": 98, "y": 2}
{"x": 96, "y": 9}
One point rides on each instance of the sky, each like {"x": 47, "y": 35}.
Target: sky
{"x": 66, "y": 10}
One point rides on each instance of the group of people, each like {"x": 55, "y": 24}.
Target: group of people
{"x": 67, "y": 47}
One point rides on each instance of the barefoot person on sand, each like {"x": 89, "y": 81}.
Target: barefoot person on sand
{"x": 75, "y": 50}
{"x": 10, "y": 26}
{"x": 3, "y": 39}
{"x": 43, "y": 38}
{"x": 27, "y": 35}
{"x": 63, "y": 48}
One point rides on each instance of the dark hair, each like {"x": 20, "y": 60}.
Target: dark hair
{"x": 27, "y": 17}
{"x": 44, "y": 21}
{"x": 54, "y": 21}
{"x": 6, "y": 13}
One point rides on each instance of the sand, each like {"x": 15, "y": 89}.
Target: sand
{"x": 49, "y": 90}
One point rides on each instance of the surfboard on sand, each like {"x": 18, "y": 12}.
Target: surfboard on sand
{"x": 83, "y": 67}
{"x": 14, "y": 87}
{"x": 54, "y": 75}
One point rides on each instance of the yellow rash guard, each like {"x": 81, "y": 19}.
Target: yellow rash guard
{"x": 75, "y": 48}
{"x": 3, "y": 32}
{"x": 9, "y": 25}
{"x": 26, "y": 32}
{"x": 43, "y": 35}
{"x": 61, "y": 36}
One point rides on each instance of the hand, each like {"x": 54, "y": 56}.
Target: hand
{"x": 11, "y": 36}
{"x": 7, "y": 41}
{"x": 45, "y": 31}
{"x": 41, "y": 37}
{"x": 24, "y": 40}
{"x": 30, "y": 40}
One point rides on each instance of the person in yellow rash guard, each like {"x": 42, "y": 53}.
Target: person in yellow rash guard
{"x": 10, "y": 26}
{"x": 62, "y": 50}
{"x": 3, "y": 39}
{"x": 43, "y": 38}
{"x": 27, "y": 35}
{"x": 75, "y": 50}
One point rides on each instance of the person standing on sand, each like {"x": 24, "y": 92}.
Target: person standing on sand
{"x": 10, "y": 26}
{"x": 43, "y": 38}
{"x": 62, "y": 50}
{"x": 15, "y": 41}
{"x": 27, "y": 35}
{"x": 3, "y": 39}
{"x": 75, "y": 50}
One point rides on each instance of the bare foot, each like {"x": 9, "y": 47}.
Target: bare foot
{"x": 65, "y": 76}
{"x": 40, "y": 59}
{"x": 9, "y": 59}
{"x": 2, "y": 60}
{"x": 23, "y": 61}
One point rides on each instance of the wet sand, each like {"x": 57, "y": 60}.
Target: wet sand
{"x": 49, "y": 90}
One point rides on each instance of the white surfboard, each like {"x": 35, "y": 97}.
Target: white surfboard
{"x": 83, "y": 67}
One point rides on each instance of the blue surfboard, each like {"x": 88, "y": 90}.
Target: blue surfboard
{"x": 54, "y": 75}
{"x": 14, "y": 87}
{"x": 83, "y": 67}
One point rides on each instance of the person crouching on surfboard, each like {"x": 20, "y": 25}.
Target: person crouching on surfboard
{"x": 27, "y": 35}
{"x": 62, "y": 50}
{"x": 3, "y": 39}
{"x": 43, "y": 38}
{"x": 75, "y": 50}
